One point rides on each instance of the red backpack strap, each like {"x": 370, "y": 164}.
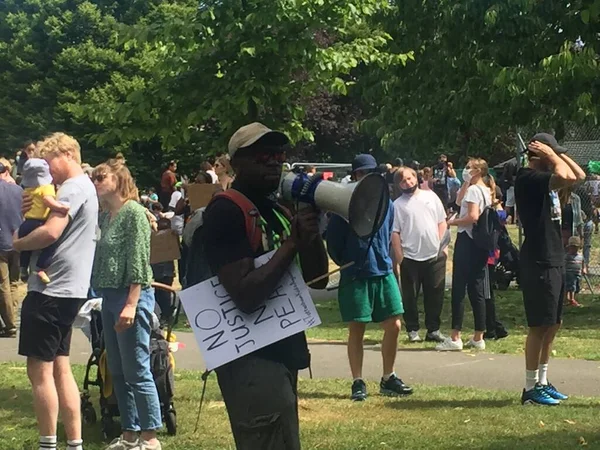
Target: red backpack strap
{"x": 251, "y": 215}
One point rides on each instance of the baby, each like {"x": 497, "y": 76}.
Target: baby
{"x": 574, "y": 265}
{"x": 37, "y": 182}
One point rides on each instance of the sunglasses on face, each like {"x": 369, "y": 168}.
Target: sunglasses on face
{"x": 99, "y": 177}
{"x": 277, "y": 154}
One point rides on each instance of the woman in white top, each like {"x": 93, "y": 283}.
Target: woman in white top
{"x": 469, "y": 261}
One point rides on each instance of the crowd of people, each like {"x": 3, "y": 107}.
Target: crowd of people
{"x": 93, "y": 234}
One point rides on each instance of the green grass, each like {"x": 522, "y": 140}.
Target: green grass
{"x": 434, "y": 417}
{"x": 578, "y": 339}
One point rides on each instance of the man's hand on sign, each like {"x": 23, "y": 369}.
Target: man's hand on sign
{"x": 305, "y": 226}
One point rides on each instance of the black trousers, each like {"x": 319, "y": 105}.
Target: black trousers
{"x": 164, "y": 299}
{"x": 262, "y": 402}
{"x": 468, "y": 275}
{"x": 431, "y": 275}
{"x": 493, "y": 325}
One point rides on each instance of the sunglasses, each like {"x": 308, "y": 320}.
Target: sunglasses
{"x": 263, "y": 156}
{"x": 99, "y": 178}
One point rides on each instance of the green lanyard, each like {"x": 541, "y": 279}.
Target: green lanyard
{"x": 276, "y": 239}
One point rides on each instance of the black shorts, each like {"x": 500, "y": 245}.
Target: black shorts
{"x": 543, "y": 293}
{"x": 46, "y": 326}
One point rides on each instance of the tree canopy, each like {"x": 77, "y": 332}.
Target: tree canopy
{"x": 164, "y": 79}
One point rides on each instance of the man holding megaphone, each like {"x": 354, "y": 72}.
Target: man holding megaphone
{"x": 368, "y": 289}
{"x": 240, "y": 224}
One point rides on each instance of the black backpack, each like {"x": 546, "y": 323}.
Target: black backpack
{"x": 162, "y": 369}
{"x": 486, "y": 230}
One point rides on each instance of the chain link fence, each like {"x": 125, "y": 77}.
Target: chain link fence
{"x": 581, "y": 210}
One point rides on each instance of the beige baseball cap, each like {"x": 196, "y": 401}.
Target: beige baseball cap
{"x": 250, "y": 134}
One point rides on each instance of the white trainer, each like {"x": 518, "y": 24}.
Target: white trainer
{"x": 450, "y": 346}
{"x": 477, "y": 345}
{"x": 121, "y": 444}
{"x": 413, "y": 336}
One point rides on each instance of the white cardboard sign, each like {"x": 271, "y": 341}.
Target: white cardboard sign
{"x": 224, "y": 333}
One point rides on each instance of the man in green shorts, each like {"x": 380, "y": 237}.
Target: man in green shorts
{"x": 369, "y": 291}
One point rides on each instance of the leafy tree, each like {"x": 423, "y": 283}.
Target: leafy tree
{"x": 52, "y": 51}
{"x": 225, "y": 64}
{"x": 482, "y": 68}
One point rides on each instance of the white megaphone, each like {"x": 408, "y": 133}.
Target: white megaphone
{"x": 363, "y": 204}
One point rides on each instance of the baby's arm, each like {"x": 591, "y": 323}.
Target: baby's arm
{"x": 55, "y": 205}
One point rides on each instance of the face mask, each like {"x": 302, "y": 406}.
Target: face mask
{"x": 466, "y": 174}
{"x": 409, "y": 191}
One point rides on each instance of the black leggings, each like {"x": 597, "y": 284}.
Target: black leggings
{"x": 468, "y": 275}
{"x": 493, "y": 325}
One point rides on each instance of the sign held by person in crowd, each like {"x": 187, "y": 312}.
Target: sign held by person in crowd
{"x": 164, "y": 246}
{"x": 201, "y": 194}
{"x": 224, "y": 333}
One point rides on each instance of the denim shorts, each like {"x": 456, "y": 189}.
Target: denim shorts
{"x": 573, "y": 282}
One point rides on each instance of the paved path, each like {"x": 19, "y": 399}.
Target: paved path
{"x": 488, "y": 371}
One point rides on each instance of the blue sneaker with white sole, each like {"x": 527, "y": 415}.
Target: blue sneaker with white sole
{"x": 538, "y": 396}
{"x": 552, "y": 392}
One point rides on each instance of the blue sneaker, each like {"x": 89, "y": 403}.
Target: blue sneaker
{"x": 538, "y": 396}
{"x": 359, "y": 391}
{"x": 552, "y": 392}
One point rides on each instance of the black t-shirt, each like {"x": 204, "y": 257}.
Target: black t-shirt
{"x": 567, "y": 217}
{"x": 389, "y": 177}
{"x": 440, "y": 173}
{"x": 540, "y": 213}
{"x": 508, "y": 175}
{"x": 226, "y": 241}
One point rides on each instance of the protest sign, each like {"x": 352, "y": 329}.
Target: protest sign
{"x": 224, "y": 333}
{"x": 164, "y": 246}
{"x": 201, "y": 194}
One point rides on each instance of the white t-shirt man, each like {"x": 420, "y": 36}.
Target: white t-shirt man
{"x": 417, "y": 218}
{"x": 213, "y": 175}
{"x": 475, "y": 194}
{"x": 177, "y": 222}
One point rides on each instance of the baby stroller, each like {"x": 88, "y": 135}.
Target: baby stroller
{"x": 162, "y": 367}
{"x": 507, "y": 267}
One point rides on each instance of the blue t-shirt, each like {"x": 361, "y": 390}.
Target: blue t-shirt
{"x": 345, "y": 246}
{"x": 11, "y": 197}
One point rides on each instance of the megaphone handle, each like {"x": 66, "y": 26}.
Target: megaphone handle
{"x": 302, "y": 205}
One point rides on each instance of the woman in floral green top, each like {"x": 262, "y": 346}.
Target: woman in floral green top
{"x": 122, "y": 275}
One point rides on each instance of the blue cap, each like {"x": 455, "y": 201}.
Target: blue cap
{"x": 364, "y": 162}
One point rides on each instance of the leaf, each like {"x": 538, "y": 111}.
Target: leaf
{"x": 570, "y": 422}
{"x": 582, "y": 441}
{"x": 249, "y": 50}
{"x": 585, "y": 16}
{"x": 542, "y": 424}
